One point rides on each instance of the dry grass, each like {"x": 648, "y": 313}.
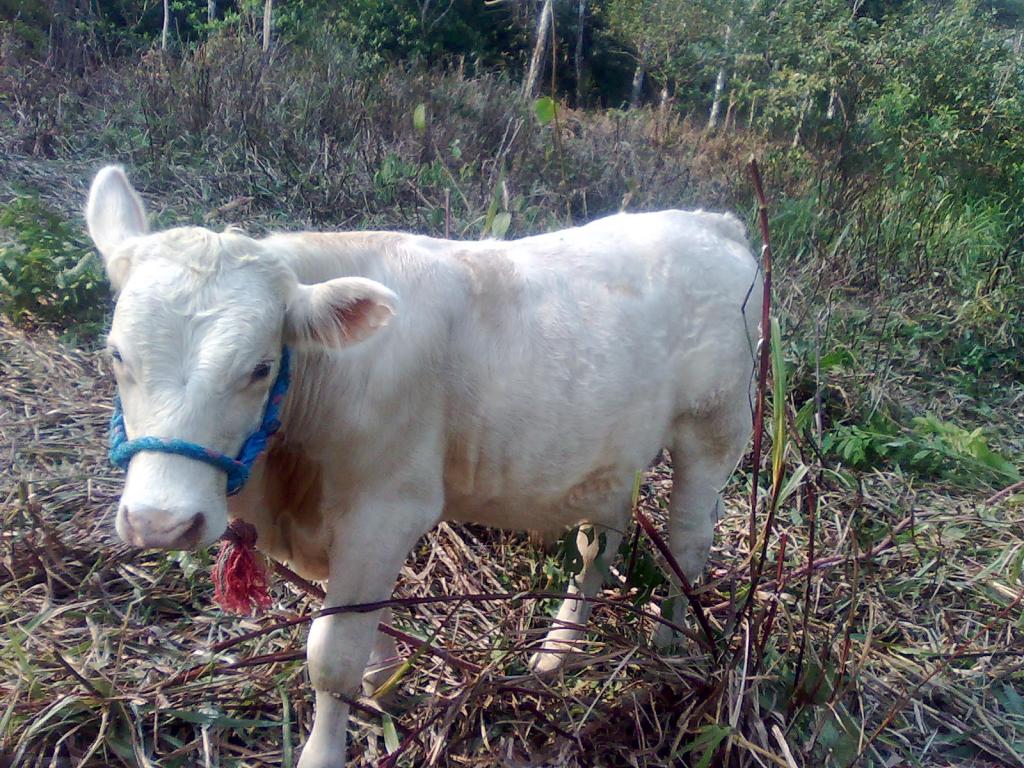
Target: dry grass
{"x": 904, "y": 644}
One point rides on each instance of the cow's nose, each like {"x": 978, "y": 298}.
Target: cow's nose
{"x": 159, "y": 529}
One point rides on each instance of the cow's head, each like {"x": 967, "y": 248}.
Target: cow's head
{"x": 196, "y": 340}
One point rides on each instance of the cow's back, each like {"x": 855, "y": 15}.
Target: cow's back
{"x": 577, "y": 350}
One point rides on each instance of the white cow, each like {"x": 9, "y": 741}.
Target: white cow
{"x": 515, "y": 384}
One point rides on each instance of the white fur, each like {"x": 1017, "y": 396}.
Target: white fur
{"x": 518, "y": 384}
{"x": 114, "y": 214}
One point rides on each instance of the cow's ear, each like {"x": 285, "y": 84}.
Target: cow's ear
{"x": 338, "y": 313}
{"x": 114, "y": 214}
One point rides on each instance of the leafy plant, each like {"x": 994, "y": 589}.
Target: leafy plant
{"x": 48, "y": 274}
{"x": 930, "y": 447}
{"x": 544, "y": 108}
{"x": 964, "y": 450}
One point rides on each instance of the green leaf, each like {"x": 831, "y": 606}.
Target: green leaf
{"x": 839, "y": 738}
{"x": 391, "y": 742}
{"x": 492, "y": 209}
{"x": 544, "y": 108}
{"x": 638, "y": 478}
{"x": 419, "y": 118}
{"x": 1011, "y": 700}
{"x": 287, "y": 751}
{"x": 837, "y": 358}
{"x": 216, "y": 720}
{"x": 499, "y": 226}
{"x": 709, "y": 738}
{"x": 778, "y": 404}
{"x": 792, "y": 483}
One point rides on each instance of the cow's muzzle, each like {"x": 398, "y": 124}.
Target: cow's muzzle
{"x": 159, "y": 529}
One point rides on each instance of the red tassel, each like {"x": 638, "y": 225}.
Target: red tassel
{"x": 239, "y": 578}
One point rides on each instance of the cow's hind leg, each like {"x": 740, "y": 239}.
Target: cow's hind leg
{"x": 568, "y": 626}
{"x": 705, "y": 450}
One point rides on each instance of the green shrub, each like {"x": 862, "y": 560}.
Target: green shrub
{"x": 26, "y": 23}
{"x": 48, "y": 274}
{"x": 929, "y": 447}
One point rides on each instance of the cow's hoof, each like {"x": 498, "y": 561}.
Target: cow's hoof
{"x": 547, "y": 662}
{"x": 667, "y": 641}
{"x": 317, "y": 756}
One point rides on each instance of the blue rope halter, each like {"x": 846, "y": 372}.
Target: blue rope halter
{"x": 122, "y": 449}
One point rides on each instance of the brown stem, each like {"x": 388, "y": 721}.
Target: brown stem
{"x": 769, "y": 622}
{"x": 763, "y": 365}
{"x": 1005, "y": 492}
{"x": 684, "y": 583}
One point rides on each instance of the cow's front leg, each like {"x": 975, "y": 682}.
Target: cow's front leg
{"x": 384, "y": 658}
{"x": 367, "y": 550}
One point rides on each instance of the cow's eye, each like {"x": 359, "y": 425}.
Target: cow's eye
{"x": 115, "y": 355}
{"x": 260, "y": 372}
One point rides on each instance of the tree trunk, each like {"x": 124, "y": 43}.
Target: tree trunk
{"x": 800, "y": 120}
{"x": 716, "y": 103}
{"x": 268, "y": 15}
{"x": 536, "y": 67}
{"x": 638, "y": 83}
{"x": 167, "y": 25}
{"x": 581, "y": 12}
{"x": 211, "y": 10}
{"x": 661, "y": 126}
